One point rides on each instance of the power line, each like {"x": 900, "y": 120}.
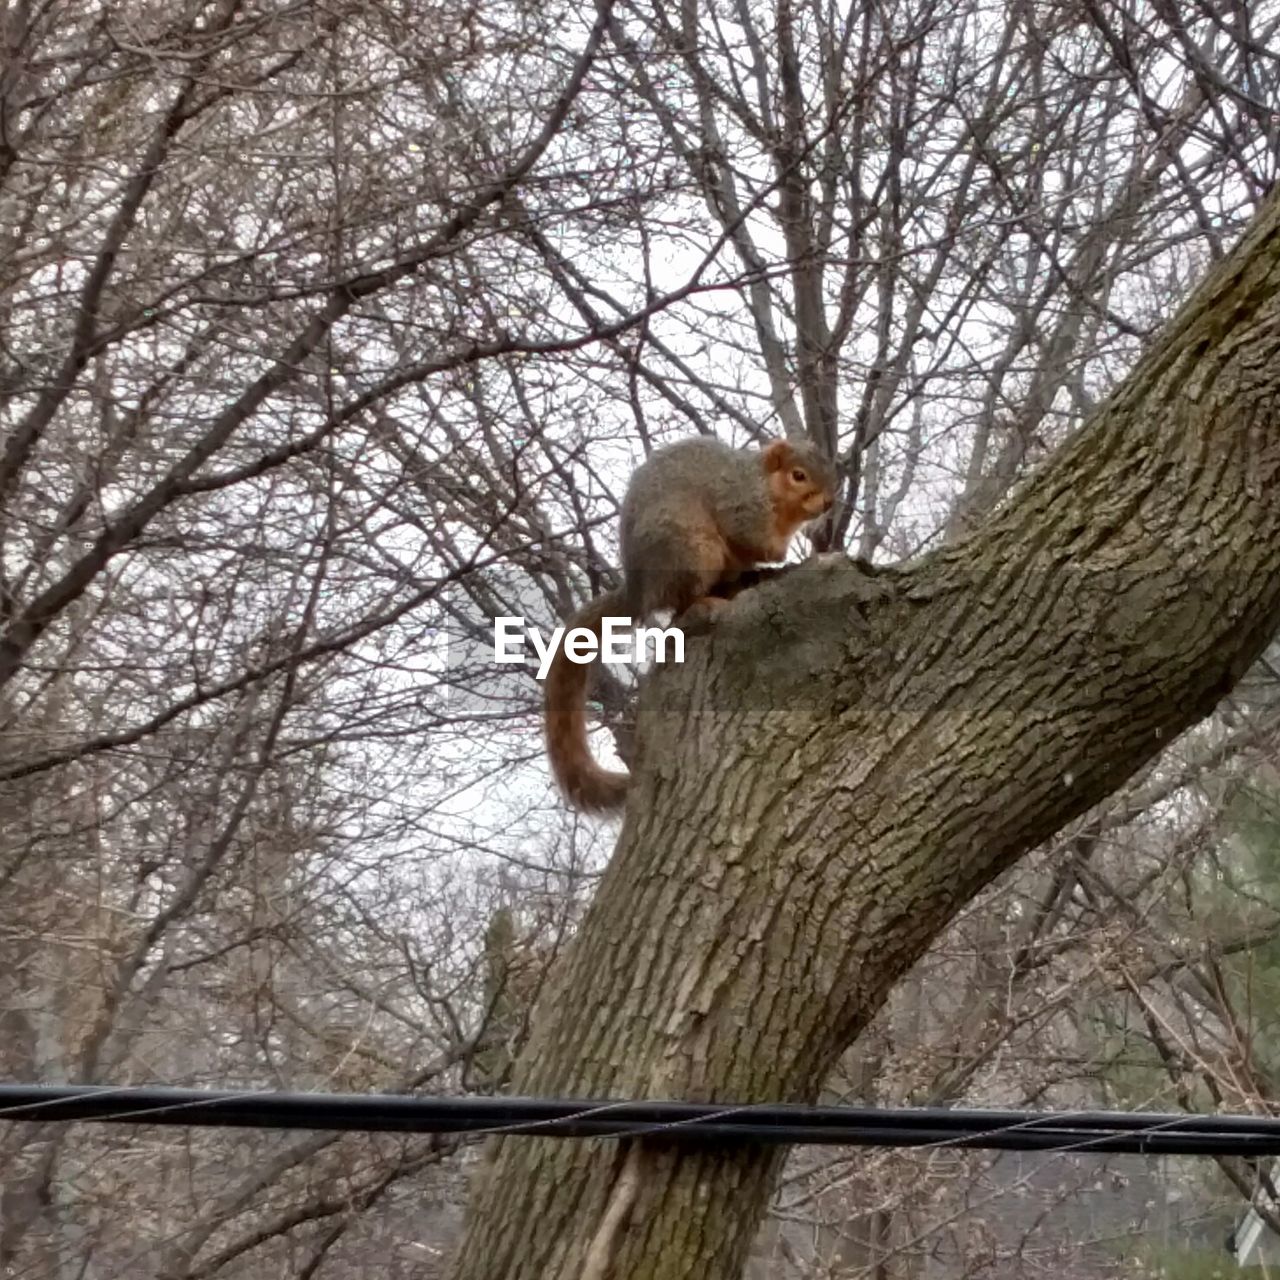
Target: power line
{"x": 1146, "y": 1133}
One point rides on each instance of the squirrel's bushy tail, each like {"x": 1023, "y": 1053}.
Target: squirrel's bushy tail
{"x": 586, "y": 785}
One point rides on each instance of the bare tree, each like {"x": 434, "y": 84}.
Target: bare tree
{"x": 986, "y": 696}
{"x": 243, "y": 237}
{"x": 850, "y": 758}
{"x": 330, "y": 332}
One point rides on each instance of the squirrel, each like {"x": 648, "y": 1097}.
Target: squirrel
{"x": 696, "y": 515}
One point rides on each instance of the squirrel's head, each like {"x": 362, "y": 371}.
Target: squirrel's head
{"x": 802, "y": 483}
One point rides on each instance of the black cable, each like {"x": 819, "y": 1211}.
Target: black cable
{"x": 1148, "y": 1133}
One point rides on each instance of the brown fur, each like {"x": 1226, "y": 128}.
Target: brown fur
{"x": 696, "y": 515}
{"x": 585, "y": 784}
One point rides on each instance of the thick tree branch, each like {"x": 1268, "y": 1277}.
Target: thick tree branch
{"x": 844, "y": 761}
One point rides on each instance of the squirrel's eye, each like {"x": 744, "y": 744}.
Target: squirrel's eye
{"x": 799, "y": 476}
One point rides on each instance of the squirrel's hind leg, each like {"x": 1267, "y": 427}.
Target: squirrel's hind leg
{"x": 705, "y": 566}
{"x": 675, "y": 564}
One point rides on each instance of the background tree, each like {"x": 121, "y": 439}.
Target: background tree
{"x": 328, "y": 332}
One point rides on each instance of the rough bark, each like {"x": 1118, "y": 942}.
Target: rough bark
{"x": 761, "y": 901}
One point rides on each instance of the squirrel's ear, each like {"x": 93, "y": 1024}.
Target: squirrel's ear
{"x": 775, "y": 455}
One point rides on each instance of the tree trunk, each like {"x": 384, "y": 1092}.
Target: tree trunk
{"x": 844, "y": 760}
